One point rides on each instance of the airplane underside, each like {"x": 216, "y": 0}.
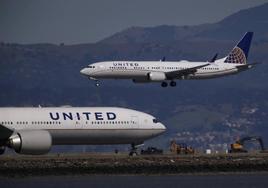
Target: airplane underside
{"x": 143, "y": 77}
{"x": 101, "y": 137}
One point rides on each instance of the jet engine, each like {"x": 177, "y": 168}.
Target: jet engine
{"x": 32, "y": 142}
{"x": 156, "y": 76}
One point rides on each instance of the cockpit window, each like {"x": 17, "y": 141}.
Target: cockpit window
{"x": 90, "y": 66}
{"x": 155, "y": 120}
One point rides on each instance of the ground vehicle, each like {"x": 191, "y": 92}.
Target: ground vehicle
{"x": 151, "y": 150}
{"x": 238, "y": 146}
{"x": 180, "y": 148}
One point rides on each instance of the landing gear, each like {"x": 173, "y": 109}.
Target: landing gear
{"x": 173, "y": 83}
{"x": 133, "y": 151}
{"x": 2, "y": 150}
{"x": 164, "y": 84}
{"x": 97, "y": 83}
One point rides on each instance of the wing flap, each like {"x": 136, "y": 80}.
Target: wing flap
{"x": 184, "y": 72}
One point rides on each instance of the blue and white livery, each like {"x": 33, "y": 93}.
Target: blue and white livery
{"x": 164, "y": 71}
{"x": 35, "y": 130}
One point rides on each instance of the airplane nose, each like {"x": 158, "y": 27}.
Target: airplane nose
{"x": 162, "y": 128}
{"x": 84, "y": 71}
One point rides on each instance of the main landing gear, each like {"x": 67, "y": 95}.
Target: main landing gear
{"x": 172, "y": 84}
{"x": 133, "y": 151}
{"x": 2, "y": 150}
{"x": 134, "y": 148}
{"x": 164, "y": 84}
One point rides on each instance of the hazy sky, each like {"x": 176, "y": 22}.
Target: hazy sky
{"x": 83, "y": 21}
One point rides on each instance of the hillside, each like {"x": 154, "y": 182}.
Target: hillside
{"x": 230, "y": 28}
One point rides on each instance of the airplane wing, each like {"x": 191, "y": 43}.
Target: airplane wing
{"x": 5, "y": 132}
{"x": 184, "y": 72}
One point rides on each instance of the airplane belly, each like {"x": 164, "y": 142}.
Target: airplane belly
{"x": 83, "y": 136}
{"x": 121, "y": 74}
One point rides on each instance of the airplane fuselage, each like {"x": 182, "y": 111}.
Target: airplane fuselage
{"x": 95, "y": 125}
{"x": 163, "y": 71}
{"x": 139, "y": 70}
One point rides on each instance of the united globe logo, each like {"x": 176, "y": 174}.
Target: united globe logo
{"x": 237, "y": 56}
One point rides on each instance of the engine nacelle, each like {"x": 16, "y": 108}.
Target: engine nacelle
{"x": 156, "y": 76}
{"x": 32, "y": 142}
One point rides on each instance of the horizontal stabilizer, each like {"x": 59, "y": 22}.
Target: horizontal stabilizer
{"x": 247, "y": 66}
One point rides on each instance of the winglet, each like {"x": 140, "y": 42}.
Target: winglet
{"x": 214, "y": 58}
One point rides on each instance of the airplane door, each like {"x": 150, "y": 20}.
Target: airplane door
{"x": 134, "y": 122}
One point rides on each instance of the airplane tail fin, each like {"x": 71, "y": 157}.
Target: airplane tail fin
{"x": 239, "y": 54}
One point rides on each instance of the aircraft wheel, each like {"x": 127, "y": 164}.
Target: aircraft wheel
{"x": 2, "y": 150}
{"x": 173, "y": 83}
{"x": 164, "y": 84}
{"x": 133, "y": 153}
{"x": 97, "y": 84}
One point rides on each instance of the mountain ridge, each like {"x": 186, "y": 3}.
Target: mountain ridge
{"x": 233, "y": 25}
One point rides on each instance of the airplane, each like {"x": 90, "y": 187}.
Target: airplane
{"x": 33, "y": 131}
{"x": 164, "y": 71}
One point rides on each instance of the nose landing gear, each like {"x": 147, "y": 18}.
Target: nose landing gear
{"x": 97, "y": 83}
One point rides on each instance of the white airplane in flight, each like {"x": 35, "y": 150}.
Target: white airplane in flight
{"x": 34, "y": 130}
{"x": 164, "y": 71}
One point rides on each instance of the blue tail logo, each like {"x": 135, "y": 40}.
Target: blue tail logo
{"x": 239, "y": 54}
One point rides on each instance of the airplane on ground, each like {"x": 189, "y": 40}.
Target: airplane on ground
{"x": 34, "y": 130}
{"x": 164, "y": 71}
